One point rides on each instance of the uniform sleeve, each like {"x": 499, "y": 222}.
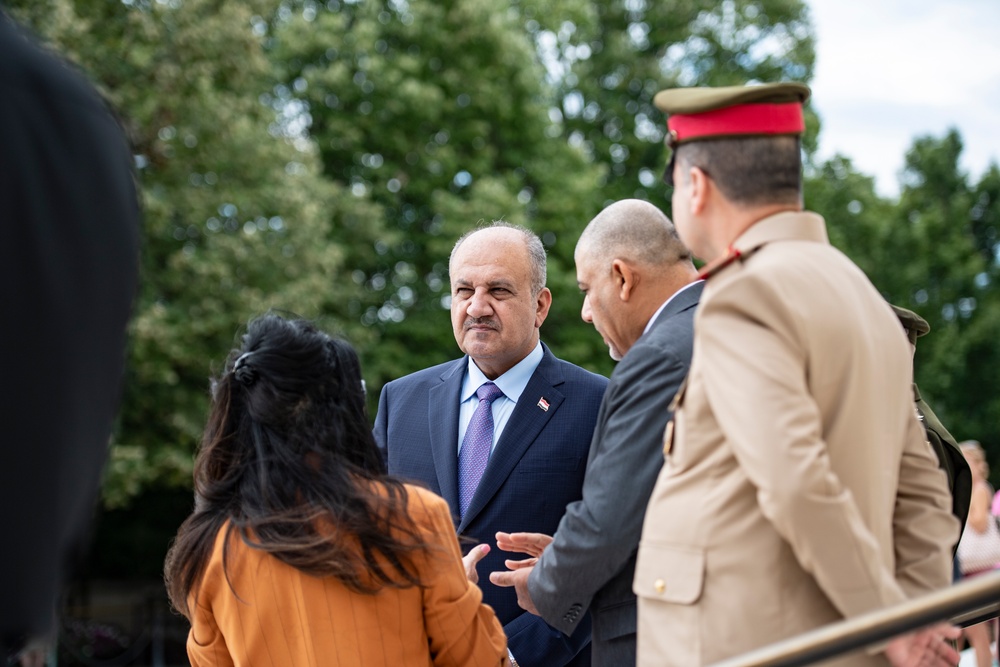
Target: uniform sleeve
{"x": 462, "y": 631}
{"x": 784, "y": 455}
{"x": 924, "y": 529}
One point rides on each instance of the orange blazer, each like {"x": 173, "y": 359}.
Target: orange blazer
{"x": 275, "y": 614}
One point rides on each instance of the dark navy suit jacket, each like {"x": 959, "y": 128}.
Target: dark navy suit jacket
{"x": 535, "y": 471}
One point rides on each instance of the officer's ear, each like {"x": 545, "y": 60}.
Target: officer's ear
{"x": 700, "y": 187}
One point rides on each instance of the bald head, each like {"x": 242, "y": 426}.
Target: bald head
{"x": 635, "y": 231}
{"x": 629, "y": 262}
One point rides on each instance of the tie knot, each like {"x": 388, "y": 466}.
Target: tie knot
{"x": 488, "y": 392}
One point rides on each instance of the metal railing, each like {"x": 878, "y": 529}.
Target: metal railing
{"x": 966, "y": 603}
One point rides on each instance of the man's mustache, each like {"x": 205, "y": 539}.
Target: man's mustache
{"x": 481, "y": 322}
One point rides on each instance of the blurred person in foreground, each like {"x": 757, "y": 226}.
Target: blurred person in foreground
{"x": 300, "y": 550}
{"x": 640, "y": 293}
{"x": 797, "y": 488}
{"x": 69, "y": 265}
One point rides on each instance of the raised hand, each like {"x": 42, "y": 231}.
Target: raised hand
{"x": 532, "y": 544}
{"x": 471, "y": 559}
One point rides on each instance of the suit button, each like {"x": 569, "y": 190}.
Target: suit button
{"x": 660, "y": 585}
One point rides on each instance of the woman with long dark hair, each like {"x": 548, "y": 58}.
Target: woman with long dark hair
{"x": 300, "y": 550}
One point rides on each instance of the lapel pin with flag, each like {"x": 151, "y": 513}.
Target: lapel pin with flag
{"x": 543, "y": 404}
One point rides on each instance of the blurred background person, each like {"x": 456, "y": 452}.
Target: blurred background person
{"x": 951, "y": 459}
{"x": 300, "y": 551}
{"x": 979, "y": 548}
{"x": 68, "y": 271}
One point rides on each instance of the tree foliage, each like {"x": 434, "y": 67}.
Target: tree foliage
{"x": 630, "y": 49}
{"x": 933, "y": 251}
{"x": 460, "y": 111}
{"x": 235, "y": 216}
{"x": 438, "y": 113}
{"x": 322, "y": 158}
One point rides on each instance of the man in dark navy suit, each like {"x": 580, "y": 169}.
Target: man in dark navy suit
{"x": 503, "y": 433}
{"x": 68, "y": 273}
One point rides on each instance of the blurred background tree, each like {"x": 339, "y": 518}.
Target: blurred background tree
{"x": 322, "y": 158}
{"x": 237, "y": 218}
{"x": 933, "y": 251}
{"x": 439, "y": 113}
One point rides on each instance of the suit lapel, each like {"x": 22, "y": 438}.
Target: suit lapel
{"x": 525, "y": 423}
{"x": 442, "y": 420}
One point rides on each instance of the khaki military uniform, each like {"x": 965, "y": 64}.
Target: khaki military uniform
{"x": 798, "y": 487}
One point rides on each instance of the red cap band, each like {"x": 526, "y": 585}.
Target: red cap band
{"x": 736, "y": 120}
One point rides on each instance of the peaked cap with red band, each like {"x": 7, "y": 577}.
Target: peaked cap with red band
{"x": 695, "y": 114}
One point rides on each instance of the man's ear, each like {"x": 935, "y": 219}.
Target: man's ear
{"x": 542, "y": 304}
{"x": 625, "y": 278}
{"x": 701, "y": 185}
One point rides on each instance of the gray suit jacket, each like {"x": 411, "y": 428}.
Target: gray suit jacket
{"x": 591, "y": 561}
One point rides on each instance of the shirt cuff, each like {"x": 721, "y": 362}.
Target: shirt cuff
{"x": 513, "y": 662}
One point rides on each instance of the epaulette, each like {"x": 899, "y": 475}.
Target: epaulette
{"x": 733, "y": 255}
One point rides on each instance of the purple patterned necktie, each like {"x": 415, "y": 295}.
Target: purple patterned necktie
{"x": 476, "y": 446}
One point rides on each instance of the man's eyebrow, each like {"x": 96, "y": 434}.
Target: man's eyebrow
{"x": 493, "y": 284}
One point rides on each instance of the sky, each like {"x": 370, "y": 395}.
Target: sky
{"x": 888, "y": 71}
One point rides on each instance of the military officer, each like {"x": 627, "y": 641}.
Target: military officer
{"x": 949, "y": 455}
{"x": 798, "y": 487}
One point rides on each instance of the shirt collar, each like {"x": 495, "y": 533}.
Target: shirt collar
{"x": 649, "y": 324}
{"x": 511, "y": 383}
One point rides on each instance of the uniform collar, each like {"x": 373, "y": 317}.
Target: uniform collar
{"x": 785, "y": 226}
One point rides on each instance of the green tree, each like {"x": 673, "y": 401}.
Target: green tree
{"x": 441, "y": 114}
{"x": 464, "y": 110}
{"x": 858, "y": 220}
{"x": 951, "y": 281}
{"x": 236, "y": 218}
{"x": 323, "y": 157}
{"x": 935, "y": 252}
{"x": 616, "y": 63}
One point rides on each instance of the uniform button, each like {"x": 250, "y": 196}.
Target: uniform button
{"x": 660, "y": 585}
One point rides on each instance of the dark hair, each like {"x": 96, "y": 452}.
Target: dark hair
{"x": 750, "y": 170}
{"x": 289, "y": 462}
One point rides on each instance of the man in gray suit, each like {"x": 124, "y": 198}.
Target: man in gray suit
{"x": 640, "y": 293}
